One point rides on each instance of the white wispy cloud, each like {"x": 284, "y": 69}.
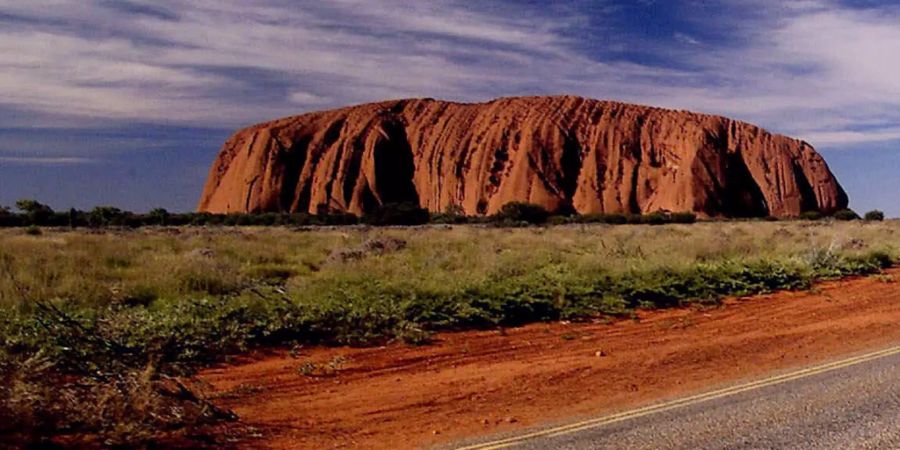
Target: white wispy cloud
{"x": 45, "y": 160}
{"x": 811, "y": 68}
{"x": 307, "y": 99}
{"x": 686, "y": 38}
{"x": 80, "y": 58}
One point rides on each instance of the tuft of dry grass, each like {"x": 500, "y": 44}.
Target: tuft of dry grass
{"x": 44, "y": 408}
{"x": 96, "y": 327}
{"x": 158, "y": 265}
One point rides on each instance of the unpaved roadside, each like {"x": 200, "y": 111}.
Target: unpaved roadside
{"x": 481, "y": 383}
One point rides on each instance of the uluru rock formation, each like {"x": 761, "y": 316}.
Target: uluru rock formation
{"x": 564, "y": 153}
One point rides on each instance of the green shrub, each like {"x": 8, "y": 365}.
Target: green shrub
{"x": 560, "y": 220}
{"x": 874, "y": 216}
{"x": 515, "y": 214}
{"x": 610, "y": 218}
{"x": 175, "y": 336}
{"x": 635, "y": 219}
{"x": 398, "y": 214}
{"x": 811, "y": 215}
{"x": 158, "y": 216}
{"x": 36, "y": 212}
{"x": 140, "y": 295}
{"x": 7, "y": 218}
{"x": 454, "y": 214}
{"x": 522, "y": 212}
{"x": 656, "y": 218}
{"x": 683, "y": 217}
{"x": 615, "y": 219}
{"x": 104, "y": 216}
{"x": 184, "y": 299}
{"x": 876, "y": 259}
{"x": 272, "y": 272}
{"x": 846, "y": 214}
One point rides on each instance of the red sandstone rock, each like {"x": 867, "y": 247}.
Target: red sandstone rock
{"x": 560, "y": 152}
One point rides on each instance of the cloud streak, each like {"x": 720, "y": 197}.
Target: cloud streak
{"x": 815, "y": 69}
{"x": 45, "y": 161}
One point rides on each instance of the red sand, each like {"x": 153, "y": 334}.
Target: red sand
{"x": 480, "y": 383}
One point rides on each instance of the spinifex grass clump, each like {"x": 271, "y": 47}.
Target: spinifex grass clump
{"x": 105, "y": 326}
{"x": 176, "y": 336}
{"x": 42, "y": 406}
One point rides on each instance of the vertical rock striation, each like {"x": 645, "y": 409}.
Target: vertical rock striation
{"x": 564, "y": 153}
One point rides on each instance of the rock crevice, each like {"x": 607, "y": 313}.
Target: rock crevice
{"x": 564, "y": 153}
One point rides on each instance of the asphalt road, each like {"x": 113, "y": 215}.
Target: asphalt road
{"x": 852, "y": 404}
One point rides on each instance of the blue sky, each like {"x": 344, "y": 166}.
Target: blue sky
{"x": 126, "y": 102}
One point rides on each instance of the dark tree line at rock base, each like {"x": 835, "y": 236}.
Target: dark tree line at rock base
{"x": 31, "y": 213}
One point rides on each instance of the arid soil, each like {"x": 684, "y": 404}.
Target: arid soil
{"x": 563, "y": 153}
{"x": 481, "y": 383}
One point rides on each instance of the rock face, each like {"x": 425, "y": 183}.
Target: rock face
{"x": 564, "y": 153}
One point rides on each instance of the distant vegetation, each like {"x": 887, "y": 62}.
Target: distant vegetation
{"x": 874, "y": 216}
{"x": 100, "y": 331}
{"x": 31, "y": 213}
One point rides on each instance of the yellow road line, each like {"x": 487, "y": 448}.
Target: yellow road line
{"x": 653, "y": 409}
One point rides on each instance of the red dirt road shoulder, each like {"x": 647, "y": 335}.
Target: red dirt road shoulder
{"x": 481, "y": 383}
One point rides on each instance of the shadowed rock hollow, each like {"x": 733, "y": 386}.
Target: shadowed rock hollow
{"x": 564, "y": 153}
